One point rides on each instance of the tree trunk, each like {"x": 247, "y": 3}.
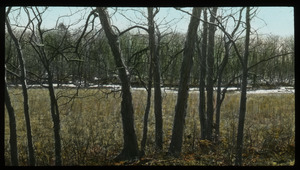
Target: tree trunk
{"x": 25, "y": 94}
{"x": 55, "y": 119}
{"x": 12, "y": 129}
{"x": 157, "y": 91}
{"x": 40, "y": 50}
{"x": 202, "y": 58}
{"x": 147, "y": 110}
{"x": 130, "y": 149}
{"x": 219, "y": 100}
{"x": 210, "y": 75}
{"x": 181, "y": 105}
{"x": 243, "y": 99}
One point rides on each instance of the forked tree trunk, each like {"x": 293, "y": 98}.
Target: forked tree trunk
{"x": 219, "y": 99}
{"x": 130, "y": 147}
{"x": 25, "y": 93}
{"x": 156, "y": 72}
{"x": 147, "y": 110}
{"x": 40, "y": 50}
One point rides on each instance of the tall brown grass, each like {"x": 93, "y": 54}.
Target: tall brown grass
{"x": 91, "y": 129}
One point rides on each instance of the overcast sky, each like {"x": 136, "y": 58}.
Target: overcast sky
{"x": 269, "y": 20}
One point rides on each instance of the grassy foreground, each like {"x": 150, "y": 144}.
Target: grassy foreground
{"x": 91, "y": 129}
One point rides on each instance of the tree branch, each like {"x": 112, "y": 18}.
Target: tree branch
{"x": 270, "y": 58}
{"x": 84, "y": 30}
{"x": 196, "y": 17}
{"x": 130, "y": 28}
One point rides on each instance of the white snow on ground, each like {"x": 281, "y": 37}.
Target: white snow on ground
{"x": 284, "y": 89}
{"x": 287, "y": 89}
{"x": 279, "y": 90}
{"x": 234, "y": 89}
{"x": 68, "y": 85}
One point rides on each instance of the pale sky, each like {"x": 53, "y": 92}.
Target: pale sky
{"x": 278, "y": 21}
{"x": 269, "y": 20}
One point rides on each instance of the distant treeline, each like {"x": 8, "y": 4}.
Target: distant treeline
{"x": 93, "y": 62}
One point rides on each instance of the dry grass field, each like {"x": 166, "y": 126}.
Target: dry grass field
{"x": 91, "y": 129}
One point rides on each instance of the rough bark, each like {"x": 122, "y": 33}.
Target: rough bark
{"x": 210, "y": 74}
{"x": 181, "y": 105}
{"x": 12, "y": 129}
{"x": 202, "y": 58}
{"x": 130, "y": 147}
{"x": 243, "y": 99}
{"x": 156, "y": 72}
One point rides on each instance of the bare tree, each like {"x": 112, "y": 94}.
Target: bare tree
{"x": 130, "y": 149}
{"x": 24, "y": 87}
{"x": 153, "y": 44}
{"x": 210, "y": 73}
{"x": 38, "y": 44}
{"x": 154, "y": 64}
{"x": 181, "y": 105}
{"x": 47, "y": 54}
{"x": 243, "y": 99}
{"x": 202, "y": 66}
{"x": 227, "y": 46}
{"x": 12, "y": 128}
{"x": 220, "y": 77}
{"x": 147, "y": 109}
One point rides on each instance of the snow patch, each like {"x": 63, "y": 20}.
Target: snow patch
{"x": 278, "y": 90}
{"x": 283, "y": 89}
